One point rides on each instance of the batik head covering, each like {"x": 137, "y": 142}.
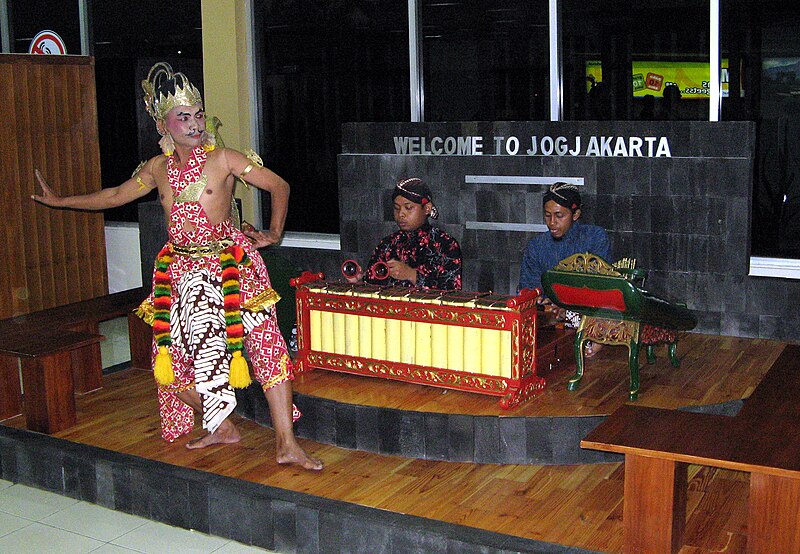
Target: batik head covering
{"x": 564, "y": 194}
{"x": 417, "y": 191}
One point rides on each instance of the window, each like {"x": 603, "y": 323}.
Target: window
{"x": 26, "y": 19}
{"x": 761, "y": 40}
{"x": 320, "y": 64}
{"x": 485, "y": 61}
{"x": 124, "y": 53}
{"x": 635, "y": 59}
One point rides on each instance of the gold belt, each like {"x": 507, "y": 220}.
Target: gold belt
{"x": 214, "y": 248}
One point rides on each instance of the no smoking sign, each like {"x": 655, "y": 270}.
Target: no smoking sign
{"x": 47, "y": 42}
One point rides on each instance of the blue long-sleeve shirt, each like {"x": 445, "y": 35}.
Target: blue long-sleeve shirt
{"x": 543, "y": 252}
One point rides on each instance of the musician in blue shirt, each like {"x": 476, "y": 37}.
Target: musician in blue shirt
{"x": 565, "y": 236}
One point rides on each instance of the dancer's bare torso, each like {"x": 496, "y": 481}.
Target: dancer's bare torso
{"x": 216, "y": 197}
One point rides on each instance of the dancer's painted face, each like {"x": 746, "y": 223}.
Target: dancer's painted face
{"x": 186, "y": 125}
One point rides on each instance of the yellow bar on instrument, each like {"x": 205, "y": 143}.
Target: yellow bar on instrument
{"x": 472, "y": 349}
{"x": 315, "y": 326}
{"x": 338, "y": 333}
{"x": 455, "y": 348}
{"x": 378, "y": 338}
{"x": 351, "y": 334}
{"x": 505, "y": 354}
{"x": 438, "y": 345}
{"x": 422, "y": 340}
{"x": 393, "y": 340}
{"x": 365, "y": 336}
{"x": 407, "y": 341}
{"x": 490, "y": 351}
{"x": 327, "y": 332}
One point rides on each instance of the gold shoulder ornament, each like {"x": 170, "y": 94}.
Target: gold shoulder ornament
{"x": 142, "y": 184}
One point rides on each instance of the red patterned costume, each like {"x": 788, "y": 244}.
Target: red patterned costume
{"x": 197, "y": 312}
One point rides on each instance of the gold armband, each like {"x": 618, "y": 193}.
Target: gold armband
{"x": 246, "y": 170}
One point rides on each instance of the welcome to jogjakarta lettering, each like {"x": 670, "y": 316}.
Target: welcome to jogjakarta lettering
{"x": 470, "y": 145}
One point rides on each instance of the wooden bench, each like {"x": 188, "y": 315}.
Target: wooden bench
{"x": 47, "y": 361}
{"x": 58, "y": 353}
{"x": 763, "y": 439}
{"x": 614, "y": 310}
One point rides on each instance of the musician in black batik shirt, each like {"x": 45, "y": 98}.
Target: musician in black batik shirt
{"x": 417, "y": 255}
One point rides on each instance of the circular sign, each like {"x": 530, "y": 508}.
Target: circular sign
{"x": 47, "y": 42}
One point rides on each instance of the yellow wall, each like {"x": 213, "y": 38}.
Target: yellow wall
{"x": 227, "y": 84}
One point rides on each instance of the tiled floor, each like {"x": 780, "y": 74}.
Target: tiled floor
{"x": 36, "y": 521}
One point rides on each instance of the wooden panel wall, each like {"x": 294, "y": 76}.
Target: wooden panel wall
{"x": 48, "y": 110}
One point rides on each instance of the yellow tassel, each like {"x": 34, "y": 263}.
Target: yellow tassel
{"x": 239, "y": 377}
{"x": 162, "y": 369}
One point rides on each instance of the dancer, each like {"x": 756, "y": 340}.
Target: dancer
{"x": 211, "y": 296}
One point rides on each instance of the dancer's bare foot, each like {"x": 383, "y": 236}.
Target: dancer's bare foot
{"x": 591, "y": 348}
{"x": 294, "y": 454}
{"x": 227, "y": 433}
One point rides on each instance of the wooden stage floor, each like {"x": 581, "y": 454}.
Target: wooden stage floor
{"x": 578, "y": 506}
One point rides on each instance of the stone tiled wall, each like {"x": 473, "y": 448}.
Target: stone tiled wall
{"x": 685, "y": 217}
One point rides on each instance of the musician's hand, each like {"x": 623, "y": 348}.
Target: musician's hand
{"x": 357, "y": 278}
{"x": 48, "y": 197}
{"x": 402, "y": 271}
{"x": 559, "y": 313}
{"x": 261, "y": 239}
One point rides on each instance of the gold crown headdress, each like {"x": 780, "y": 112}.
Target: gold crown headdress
{"x": 164, "y": 89}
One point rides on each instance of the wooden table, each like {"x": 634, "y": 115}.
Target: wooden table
{"x": 763, "y": 440}
{"x": 47, "y": 361}
{"x": 46, "y": 343}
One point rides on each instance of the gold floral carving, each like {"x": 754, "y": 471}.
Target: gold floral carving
{"x": 609, "y": 331}
{"x": 587, "y": 263}
{"x": 404, "y": 372}
{"x": 527, "y": 345}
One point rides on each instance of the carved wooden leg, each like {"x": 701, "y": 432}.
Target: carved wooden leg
{"x": 651, "y": 354}
{"x": 654, "y": 512}
{"x": 580, "y": 339}
{"x": 673, "y": 354}
{"x": 633, "y": 366}
{"x": 633, "y": 361}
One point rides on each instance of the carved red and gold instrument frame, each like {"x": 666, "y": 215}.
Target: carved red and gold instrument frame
{"x": 475, "y": 342}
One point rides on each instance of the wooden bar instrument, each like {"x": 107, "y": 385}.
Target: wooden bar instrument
{"x": 476, "y": 342}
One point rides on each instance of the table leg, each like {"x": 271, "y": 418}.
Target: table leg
{"x": 654, "y": 514}
{"x": 49, "y": 392}
{"x": 10, "y": 393}
{"x": 87, "y": 364}
{"x": 773, "y": 513}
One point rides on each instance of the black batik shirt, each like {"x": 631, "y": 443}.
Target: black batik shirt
{"x": 433, "y": 253}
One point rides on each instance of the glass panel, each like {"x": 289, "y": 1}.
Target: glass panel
{"x": 485, "y": 60}
{"x": 761, "y": 39}
{"x": 126, "y": 43}
{"x": 321, "y": 64}
{"x": 27, "y": 19}
{"x": 640, "y": 59}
